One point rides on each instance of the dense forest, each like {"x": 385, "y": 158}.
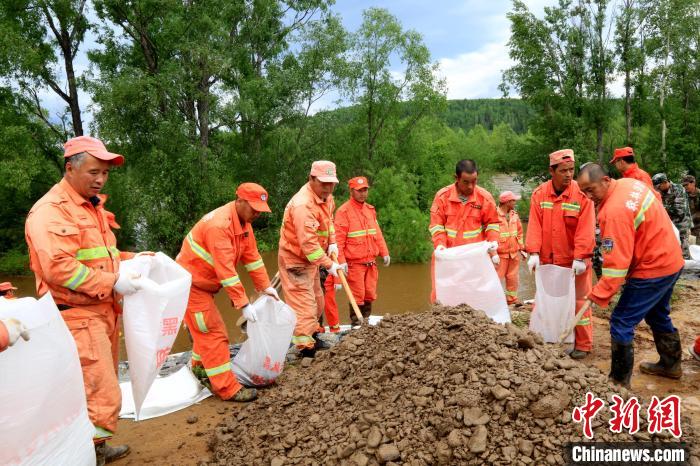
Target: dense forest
{"x": 202, "y": 95}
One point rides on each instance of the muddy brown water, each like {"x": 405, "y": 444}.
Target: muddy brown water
{"x": 402, "y": 288}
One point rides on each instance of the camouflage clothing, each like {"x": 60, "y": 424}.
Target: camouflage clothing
{"x": 694, "y": 204}
{"x": 597, "y": 253}
{"x": 676, "y": 203}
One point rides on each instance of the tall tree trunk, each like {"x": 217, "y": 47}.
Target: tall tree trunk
{"x": 73, "y": 94}
{"x": 662, "y": 98}
{"x": 628, "y": 106}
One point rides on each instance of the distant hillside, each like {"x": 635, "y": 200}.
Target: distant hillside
{"x": 468, "y": 113}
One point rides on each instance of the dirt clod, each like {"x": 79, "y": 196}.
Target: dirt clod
{"x": 192, "y": 419}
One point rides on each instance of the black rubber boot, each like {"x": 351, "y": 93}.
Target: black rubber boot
{"x": 353, "y": 318}
{"x": 308, "y": 352}
{"x": 668, "y": 345}
{"x": 106, "y": 454}
{"x": 366, "y": 310}
{"x": 621, "y": 363}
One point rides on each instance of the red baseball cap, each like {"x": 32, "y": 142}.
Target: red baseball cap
{"x": 324, "y": 171}
{"x": 358, "y": 182}
{"x": 564, "y": 155}
{"x": 6, "y": 286}
{"x": 621, "y": 152}
{"x": 255, "y": 195}
{"x": 92, "y": 146}
{"x": 508, "y": 196}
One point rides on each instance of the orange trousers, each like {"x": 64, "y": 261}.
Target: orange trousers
{"x": 210, "y": 342}
{"x": 584, "y": 328}
{"x": 301, "y": 286}
{"x": 696, "y": 347}
{"x": 362, "y": 279}
{"x": 96, "y": 335}
{"x": 508, "y": 269}
{"x": 331, "y": 306}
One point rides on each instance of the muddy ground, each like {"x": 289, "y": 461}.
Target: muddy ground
{"x": 182, "y": 437}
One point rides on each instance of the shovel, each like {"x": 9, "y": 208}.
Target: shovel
{"x": 348, "y": 292}
{"x": 566, "y": 333}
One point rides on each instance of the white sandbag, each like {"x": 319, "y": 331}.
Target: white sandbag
{"x": 693, "y": 264}
{"x": 555, "y": 303}
{"x": 43, "y": 412}
{"x": 695, "y": 252}
{"x": 261, "y": 357}
{"x": 152, "y": 318}
{"x": 466, "y": 275}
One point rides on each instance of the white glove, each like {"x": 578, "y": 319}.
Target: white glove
{"x": 338, "y": 286}
{"x": 332, "y": 248}
{"x": 440, "y": 247}
{"x": 579, "y": 266}
{"x": 493, "y": 246}
{"x": 127, "y": 284}
{"x": 15, "y": 329}
{"x": 387, "y": 261}
{"x": 496, "y": 259}
{"x": 533, "y": 262}
{"x": 270, "y": 291}
{"x": 249, "y": 313}
{"x": 335, "y": 267}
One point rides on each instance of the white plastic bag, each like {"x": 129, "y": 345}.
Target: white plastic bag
{"x": 261, "y": 357}
{"x": 466, "y": 275}
{"x": 693, "y": 264}
{"x": 43, "y": 412}
{"x": 152, "y": 318}
{"x": 555, "y": 303}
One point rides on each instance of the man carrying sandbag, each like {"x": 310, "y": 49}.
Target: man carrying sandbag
{"x": 73, "y": 253}
{"x": 360, "y": 241}
{"x": 463, "y": 213}
{"x": 640, "y": 250}
{"x": 307, "y": 241}
{"x": 561, "y": 231}
{"x": 510, "y": 244}
{"x": 221, "y": 240}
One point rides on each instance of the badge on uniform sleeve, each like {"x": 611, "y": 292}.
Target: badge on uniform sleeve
{"x": 606, "y": 245}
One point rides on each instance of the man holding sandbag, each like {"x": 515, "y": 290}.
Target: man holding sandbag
{"x": 561, "y": 231}
{"x": 640, "y": 250}
{"x": 217, "y": 243}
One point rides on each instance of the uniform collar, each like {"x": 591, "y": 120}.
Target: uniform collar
{"x": 357, "y": 205}
{"x": 633, "y": 168}
{"x": 553, "y": 193}
{"x": 236, "y": 222}
{"x": 454, "y": 194}
{"x": 613, "y": 186}
{"x": 76, "y": 198}
{"x": 316, "y": 199}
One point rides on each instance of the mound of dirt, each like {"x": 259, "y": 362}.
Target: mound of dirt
{"x": 448, "y": 386}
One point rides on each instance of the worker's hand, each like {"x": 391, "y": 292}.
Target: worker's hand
{"x": 578, "y": 266}
{"x": 496, "y": 259}
{"x": 270, "y": 291}
{"x": 387, "y": 261}
{"x": 440, "y": 247}
{"x": 533, "y": 262}
{"x": 524, "y": 254}
{"x": 493, "y": 246}
{"x": 249, "y": 313}
{"x": 335, "y": 267}
{"x": 332, "y": 249}
{"x": 15, "y": 329}
{"x": 127, "y": 283}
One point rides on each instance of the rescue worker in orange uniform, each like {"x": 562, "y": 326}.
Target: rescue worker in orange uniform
{"x": 623, "y": 160}
{"x": 695, "y": 349}
{"x": 360, "y": 241}
{"x": 561, "y": 231}
{"x": 73, "y": 254}
{"x": 7, "y": 291}
{"x": 217, "y": 243}
{"x": 463, "y": 213}
{"x": 307, "y": 241}
{"x": 641, "y": 252}
{"x": 10, "y": 331}
{"x": 510, "y": 244}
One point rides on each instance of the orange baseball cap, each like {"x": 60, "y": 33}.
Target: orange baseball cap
{"x": 358, "y": 182}
{"x": 255, "y": 195}
{"x": 564, "y": 155}
{"x": 92, "y": 146}
{"x": 6, "y": 286}
{"x": 324, "y": 171}
{"x": 621, "y": 152}
{"x": 508, "y": 196}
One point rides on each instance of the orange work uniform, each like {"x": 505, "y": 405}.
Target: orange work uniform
{"x": 330, "y": 305}
{"x": 210, "y": 252}
{"x": 510, "y": 244}
{"x": 73, "y": 254}
{"x": 360, "y": 241}
{"x": 637, "y": 173}
{"x": 561, "y": 228}
{"x": 637, "y": 240}
{"x": 307, "y": 230}
{"x": 455, "y": 221}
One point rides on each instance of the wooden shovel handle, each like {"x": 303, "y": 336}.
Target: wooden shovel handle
{"x": 348, "y": 292}
{"x": 583, "y": 310}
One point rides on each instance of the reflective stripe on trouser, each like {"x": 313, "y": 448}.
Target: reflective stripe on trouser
{"x": 301, "y": 286}
{"x": 363, "y": 282}
{"x": 331, "y": 307}
{"x": 584, "y": 328}
{"x": 210, "y": 342}
{"x": 96, "y": 335}
{"x": 508, "y": 269}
